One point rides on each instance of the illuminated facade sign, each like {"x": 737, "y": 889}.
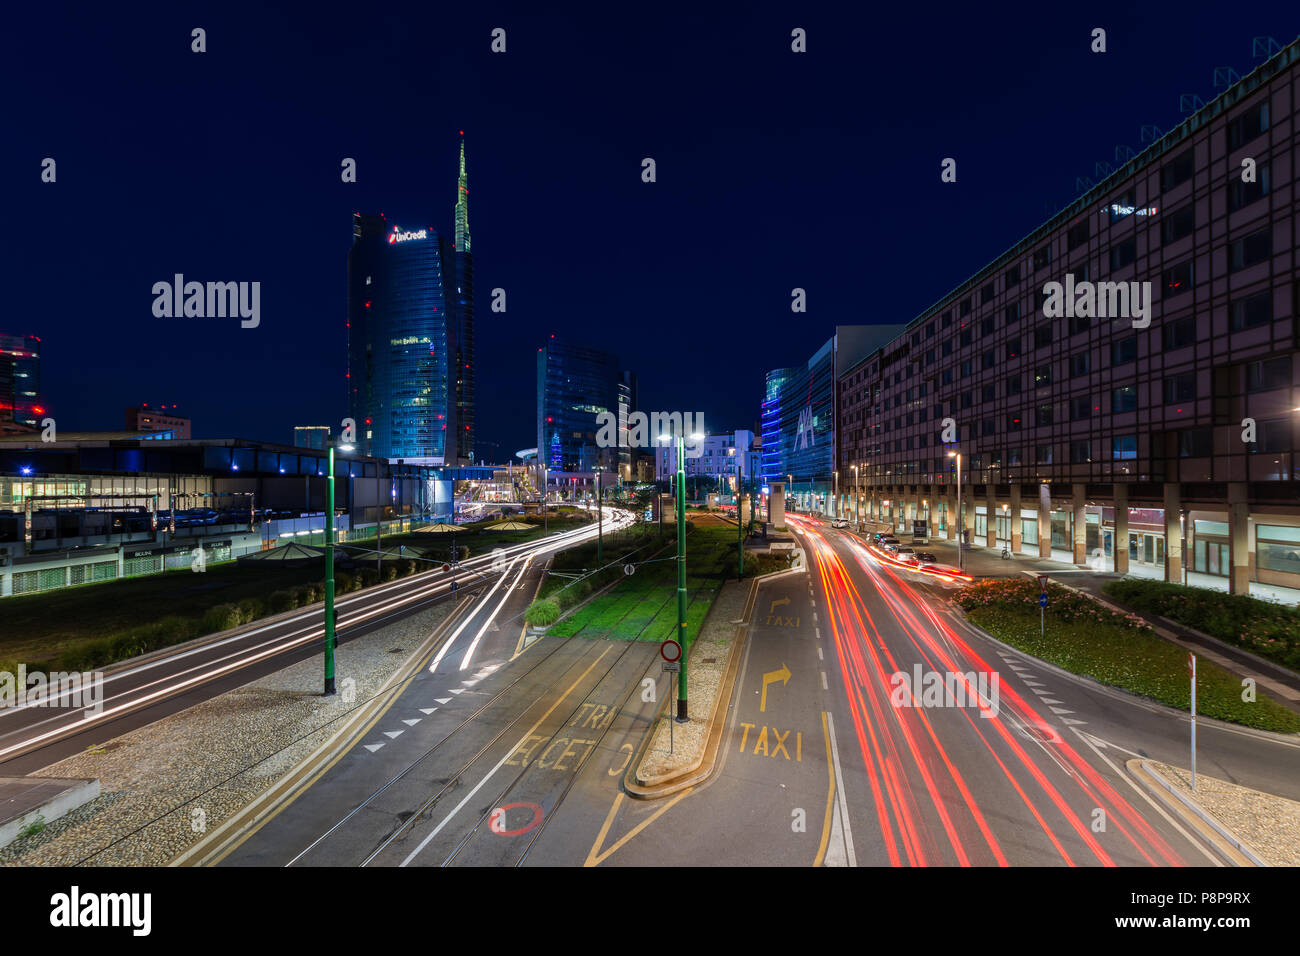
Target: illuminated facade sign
{"x": 398, "y": 236}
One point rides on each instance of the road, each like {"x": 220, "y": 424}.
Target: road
{"x": 146, "y": 690}
{"x": 505, "y": 754}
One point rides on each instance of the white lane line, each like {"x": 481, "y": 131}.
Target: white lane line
{"x": 819, "y": 655}
{"x": 839, "y": 791}
{"x": 818, "y": 632}
{"x": 490, "y": 623}
{"x": 824, "y": 687}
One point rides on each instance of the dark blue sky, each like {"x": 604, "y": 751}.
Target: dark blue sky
{"x": 775, "y": 170}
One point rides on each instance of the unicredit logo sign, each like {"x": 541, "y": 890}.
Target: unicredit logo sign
{"x": 396, "y": 237}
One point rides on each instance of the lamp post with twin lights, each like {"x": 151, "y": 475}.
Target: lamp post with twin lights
{"x": 681, "y": 567}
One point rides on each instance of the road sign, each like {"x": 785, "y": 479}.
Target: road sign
{"x": 629, "y": 569}
{"x": 1042, "y": 583}
{"x": 672, "y": 666}
{"x": 1042, "y": 599}
{"x": 446, "y": 567}
{"x": 670, "y": 651}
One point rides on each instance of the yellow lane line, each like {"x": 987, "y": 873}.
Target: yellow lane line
{"x": 830, "y": 794}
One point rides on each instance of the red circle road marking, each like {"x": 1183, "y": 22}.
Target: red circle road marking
{"x": 499, "y": 815}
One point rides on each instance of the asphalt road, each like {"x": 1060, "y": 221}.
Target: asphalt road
{"x": 35, "y": 735}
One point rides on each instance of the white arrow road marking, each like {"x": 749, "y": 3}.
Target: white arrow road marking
{"x": 443, "y": 700}
{"x": 373, "y": 747}
{"x": 413, "y": 721}
{"x": 427, "y": 710}
{"x": 393, "y": 733}
{"x": 458, "y": 690}
{"x": 1060, "y": 710}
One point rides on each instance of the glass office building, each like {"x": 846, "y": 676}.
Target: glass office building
{"x": 799, "y": 428}
{"x": 411, "y": 338}
{"x": 575, "y": 384}
{"x": 20, "y": 379}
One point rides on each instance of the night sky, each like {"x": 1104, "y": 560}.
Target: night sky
{"x": 775, "y": 170}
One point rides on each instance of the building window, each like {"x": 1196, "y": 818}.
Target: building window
{"x": 987, "y": 325}
{"x": 1042, "y": 258}
{"x": 964, "y": 308}
{"x": 1179, "y": 333}
{"x": 1124, "y": 447}
{"x": 947, "y": 347}
{"x": 989, "y": 427}
{"x": 1124, "y": 399}
{"x": 967, "y": 336}
{"x": 1080, "y": 408}
{"x": 989, "y": 393}
{"x": 947, "y": 376}
{"x": 1013, "y": 347}
{"x": 967, "y": 399}
{"x": 1013, "y": 385}
{"x": 1274, "y": 436}
{"x": 1241, "y": 195}
{"x": 1244, "y": 128}
{"x": 946, "y": 320}
{"x": 1123, "y": 254}
{"x": 1013, "y": 423}
{"x": 1268, "y": 374}
{"x": 966, "y": 368}
{"x": 1196, "y": 443}
{"x": 1181, "y": 222}
{"x": 1123, "y": 351}
{"x": 1013, "y": 456}
{"x": 1043, "y": 335}
{"x": 1011, "y": 313}
{"x": 990, "y": 359}
{"x": 1042, "y": 376}
{"x": 1013, "y": 276}
{"x": 1180, "y": 388}
{"x": 1078, "y": 234}
{"x": 1043, "y": 455}
{"x": 1080, "y": 452}
{"x": 986, "y": 294}
{"x": 1080, "y": 323}
{"x": 1044, "y": 416}
{"x": 1249, "y": 250}
{"x": 1080, "y": 364}
{"x": 1177, "y": 279}
{"x": 1177, "y": 171}
{"x": 1252, "y": 311}
{"x": 1277, "y": 548}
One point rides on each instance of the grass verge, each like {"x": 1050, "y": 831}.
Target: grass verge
{"x": 1115, "y": 649}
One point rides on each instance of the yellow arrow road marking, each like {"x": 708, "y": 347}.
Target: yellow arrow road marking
{"x": 783, "y": 675}
{"x": 595, "y": 858}
{"x": 776, "y": 604}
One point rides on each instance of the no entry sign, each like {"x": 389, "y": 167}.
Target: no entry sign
{"x": 670, "y": 651}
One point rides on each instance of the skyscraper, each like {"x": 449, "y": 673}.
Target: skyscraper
{"x": 20, "y": 379}
{"x": 411, "y": 338}
{"x": 575, "y": 384}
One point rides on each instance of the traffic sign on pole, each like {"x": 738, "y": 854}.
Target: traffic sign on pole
{"x": 670, "y": 651}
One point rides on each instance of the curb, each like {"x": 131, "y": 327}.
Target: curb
{"x": 1191, "y": 812}
{"x": 703, "y": 767}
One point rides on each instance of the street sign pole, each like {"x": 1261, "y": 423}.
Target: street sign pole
{"x": 1191, "y": 669}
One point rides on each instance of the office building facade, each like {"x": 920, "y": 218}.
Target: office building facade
{"x": 158, "y": 418}
{"x": 411, "y": 338}
{"x": 1121, "y": 384}
{"x": 20, "y": 380}
{"x": 575, "y": 386}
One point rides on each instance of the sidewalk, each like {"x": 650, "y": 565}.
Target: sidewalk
{"x": 1282, "y": 683}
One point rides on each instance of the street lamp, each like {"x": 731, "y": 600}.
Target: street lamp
{"x": 681, "y": 568}
{"x": 740, "y": 531}
{"x": 856, "y": 496}
{"x": 330, "y": 637}
{"x": 961, "y": 525}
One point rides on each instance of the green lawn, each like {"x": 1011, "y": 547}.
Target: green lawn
{"x": 1116, "y": 649}
{"x": 643, "y": 606}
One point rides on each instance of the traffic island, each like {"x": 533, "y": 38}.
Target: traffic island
{"x": 680, "y": 755}
{"x": 1249, "y": 827}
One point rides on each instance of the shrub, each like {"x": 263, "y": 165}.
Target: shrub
{"x": 406, "y": 567}
{"x": 366, "y": 577}
{"x": 343, "y": 583}
{"x": 222, "y": 617}
{"x": 250, "y": 609}
{"x": 391, "y": 572}
{"x": 281, "y": 601}
{"x": 542, "y": 613}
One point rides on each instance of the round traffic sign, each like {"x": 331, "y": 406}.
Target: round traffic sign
{"x": 670, "y": 651}
{"x": 629, "y": 569}
{"x": 446, "y": 567}
{"x": 1042, "y": 599}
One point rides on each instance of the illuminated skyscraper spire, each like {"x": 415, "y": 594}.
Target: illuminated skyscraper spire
{"x": 462, "y": 202}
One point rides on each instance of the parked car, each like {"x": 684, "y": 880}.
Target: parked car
{"x": 925, "y": 557}
{"x": 907, "y": 555}
{"x": 840, "y": 523}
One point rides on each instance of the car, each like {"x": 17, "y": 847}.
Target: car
{"x": 840, "y": 523}
{"x": 888, "y": 540}
{"x": 925, "y": 557}
{"x": 942, "y": 569}
{"x": 890, "y": 548}
{"x": 905, "y": 554}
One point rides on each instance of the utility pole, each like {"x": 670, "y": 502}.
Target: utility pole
{"x": 329, "y": 578}
{"x": 600, "y": 526}
{"x": 681, "y": 575}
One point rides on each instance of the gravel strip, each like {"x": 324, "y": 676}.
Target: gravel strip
{"x": 163, "y": 785}
{"x": 703, "y": 679}
{"x": 1269, "y": 825}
